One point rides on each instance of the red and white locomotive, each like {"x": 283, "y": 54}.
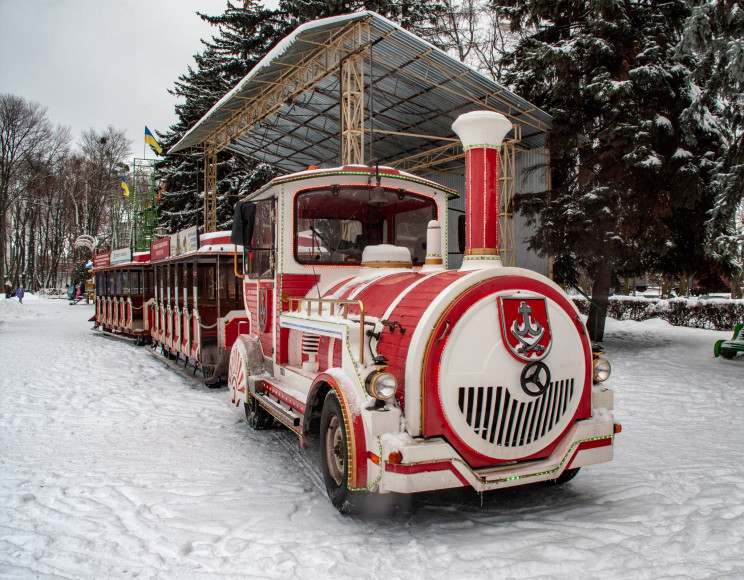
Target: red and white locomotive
{"x": 414, "y": 377}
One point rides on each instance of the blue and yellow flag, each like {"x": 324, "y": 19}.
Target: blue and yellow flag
{"x": 124, "y": 187}
{"x": 150, "y": 140}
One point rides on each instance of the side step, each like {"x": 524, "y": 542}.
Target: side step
{"x": 281, "y": 411}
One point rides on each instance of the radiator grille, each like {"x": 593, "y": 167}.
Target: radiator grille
{"x": 502, "y": 420}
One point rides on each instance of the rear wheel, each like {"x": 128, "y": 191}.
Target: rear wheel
{"x": 258, "y": 417}
{"x": 334, "y": 458}
{"x": 717, "y": 347}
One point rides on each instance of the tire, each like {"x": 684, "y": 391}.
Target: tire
{"x": 258, "y": 417}
{"x": 717, "y": 348}
{"x": 334, "y": 458}
{"x": 237, "y": 373}
{"x": 564, "y": 477}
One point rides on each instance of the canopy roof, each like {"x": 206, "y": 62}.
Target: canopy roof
{"x": 287, "y": 111}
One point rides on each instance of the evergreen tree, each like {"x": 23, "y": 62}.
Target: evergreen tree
{"x": 715, "y": 33}
{"x": 245, "y": 35}
{"x": 417, "y": 16}
{"x": 628, "y": 173}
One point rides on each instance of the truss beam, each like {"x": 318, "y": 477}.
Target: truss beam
{"x": 300, "y": 78}
{"x": 210, "y": 191}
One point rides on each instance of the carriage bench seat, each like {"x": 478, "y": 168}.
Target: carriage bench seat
{"x": 730, "y": 348}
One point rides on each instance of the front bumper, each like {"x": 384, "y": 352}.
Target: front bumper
{"x": 433, "y": 464}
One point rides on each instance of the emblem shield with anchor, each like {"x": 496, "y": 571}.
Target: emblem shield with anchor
{"x": 525, "y": 327}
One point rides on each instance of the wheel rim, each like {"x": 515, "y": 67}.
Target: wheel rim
{"x": 335, "y": 450}
{"x": 237, "y": 376}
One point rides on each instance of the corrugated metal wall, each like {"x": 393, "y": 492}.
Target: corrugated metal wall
{"x": 530, "y": 177}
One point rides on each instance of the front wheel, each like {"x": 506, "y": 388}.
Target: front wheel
{"x": 564, "y": 477}
{"x": 334, "y": 458}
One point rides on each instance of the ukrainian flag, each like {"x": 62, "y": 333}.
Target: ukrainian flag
{"x": 124, "y": 187}
{"x": 150, "y": 140}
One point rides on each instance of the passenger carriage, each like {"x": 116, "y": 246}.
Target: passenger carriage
{"x": 123, "y": 282}
{"x": 197, "y": 306}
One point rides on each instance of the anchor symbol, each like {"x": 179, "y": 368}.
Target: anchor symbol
{"x": 529, "y": 332}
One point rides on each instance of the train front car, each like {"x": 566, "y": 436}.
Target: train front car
{"x": 415, "y": 377}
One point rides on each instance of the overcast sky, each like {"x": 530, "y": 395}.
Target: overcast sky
{"x": 94, "y": 63}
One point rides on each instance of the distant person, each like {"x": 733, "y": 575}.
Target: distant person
{"x": 8, "y": 289}
{"x": 20, "y": 293}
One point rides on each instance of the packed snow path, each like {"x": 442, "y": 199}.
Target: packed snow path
{"x": 112, "y": 466}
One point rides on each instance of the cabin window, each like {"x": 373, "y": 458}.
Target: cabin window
{"x": 259, "y": 258}
{"x": 334, "y": 224}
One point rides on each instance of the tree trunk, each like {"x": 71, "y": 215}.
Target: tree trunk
{"x": 666, "y": 287}
{"x": 600, "y": 296}
{"x": 736, "y": 280}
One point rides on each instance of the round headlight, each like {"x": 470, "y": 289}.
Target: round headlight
{"x": 381, "y": 385}
{"x": 602, "y": 369}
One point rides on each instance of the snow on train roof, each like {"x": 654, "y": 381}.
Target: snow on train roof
{"x": 216, "y": 242}
{"x": 351, "y": 170}
{"x": 286, "y": 114}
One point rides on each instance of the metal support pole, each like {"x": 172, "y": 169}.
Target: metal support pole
{"x": 210, "y": 191}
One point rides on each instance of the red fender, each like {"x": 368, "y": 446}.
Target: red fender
{"x": 355, "y": 438}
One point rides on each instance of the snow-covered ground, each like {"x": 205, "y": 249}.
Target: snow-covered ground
{"x": 112, "y": 466}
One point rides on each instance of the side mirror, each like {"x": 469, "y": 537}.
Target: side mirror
{"x": 461, "y": 233}
{"x": 244, "y": 219}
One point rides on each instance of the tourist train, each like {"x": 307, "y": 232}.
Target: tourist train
{"x": 329, "y": 309}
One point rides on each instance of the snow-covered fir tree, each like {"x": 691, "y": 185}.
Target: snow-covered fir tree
{"x": 245, "y": 33}
{"x": 714, "y": 32}
{"x": 419, "y": 16}
{"x": 628, "y": 175}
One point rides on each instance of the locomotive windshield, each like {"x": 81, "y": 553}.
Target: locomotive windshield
{"x": 334, "y": 224}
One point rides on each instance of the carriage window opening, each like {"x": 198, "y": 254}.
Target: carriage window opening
{"x": 135, "y": 282}
{"x": 124, "y": 280}
{"x": 258, "y": 259}
{"x": 206, "y": 283}
{"x": 334, "y": 224}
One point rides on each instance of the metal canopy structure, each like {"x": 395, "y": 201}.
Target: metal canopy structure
{"x": 352, "y": 89}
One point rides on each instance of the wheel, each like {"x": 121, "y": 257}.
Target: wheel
{"x": 334, "y": 458}
{"x": 717, "y": 347}
{"x": 565, "y": 477}
{"x": 257, "y": 417}
{"x": 238, "y": 370}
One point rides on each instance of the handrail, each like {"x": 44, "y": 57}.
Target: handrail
{"x": 296, "y": 304}
{"x": 235, "y": 264}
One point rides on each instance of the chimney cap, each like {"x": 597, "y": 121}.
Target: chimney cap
{"x": 481, "y": 128}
